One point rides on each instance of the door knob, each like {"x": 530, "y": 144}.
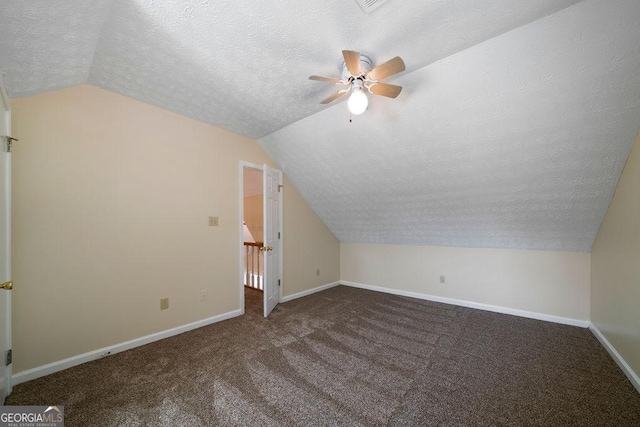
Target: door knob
{"x": 7, "y": 286}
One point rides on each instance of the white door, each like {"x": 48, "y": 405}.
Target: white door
{"x": 5, "y": 244}
{"x": 272, "y": 201}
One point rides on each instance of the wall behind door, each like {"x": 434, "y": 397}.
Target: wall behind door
{"x": 253, "y": 217}
{"x": 253, "y": 202}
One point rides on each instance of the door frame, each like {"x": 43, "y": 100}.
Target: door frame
{"x": 250, "y": 165}
{"x": 7, "y": 308}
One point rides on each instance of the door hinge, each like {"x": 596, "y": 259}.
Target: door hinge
{"x": 278, "y": 285}
{"x": 8, "y": 143}
{"x": 278, "y": 235}
{"x": 279, "y": 187}
{"x": 8, "y": 358}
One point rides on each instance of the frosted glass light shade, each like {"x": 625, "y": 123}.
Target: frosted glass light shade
{"x": 358, "y": 102}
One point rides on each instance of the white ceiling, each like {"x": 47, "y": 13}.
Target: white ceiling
{"x": 512, "y": 129}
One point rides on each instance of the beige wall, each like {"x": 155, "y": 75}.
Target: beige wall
{"x": 309, "y": 246}
{"x": 253, "y": 207}
{"x": 544, "y": 282}
{"x": 615, "y": 267}
{"x": 110, "y": 205}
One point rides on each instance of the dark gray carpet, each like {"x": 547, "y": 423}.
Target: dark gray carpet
{"x": 253, "y": 304}
{"x": 351, "y": 357}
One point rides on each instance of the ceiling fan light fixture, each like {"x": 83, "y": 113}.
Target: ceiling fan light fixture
{"x": 358, "y": 74}
{"x": 358, "y": 101}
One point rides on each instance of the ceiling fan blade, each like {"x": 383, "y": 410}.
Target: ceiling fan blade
{"x": 385, "y": 89}
{"x": 334, "y": 97}
{"x": 389, "y": 68}
{"x": 352, "y": 59}
{"x": 326, "y": 79}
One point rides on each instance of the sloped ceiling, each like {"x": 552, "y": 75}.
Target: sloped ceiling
{"x": 512, "y": 129}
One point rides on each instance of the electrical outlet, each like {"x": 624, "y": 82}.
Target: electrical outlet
{"x": 442, "y": 279}
{"x": 203, "y": 295}
{"x": 164, "y": 303}
{"x": 317, "y": 272}
{"x": 213, "y": 221}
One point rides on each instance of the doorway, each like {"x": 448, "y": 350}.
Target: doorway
{"x": 261, "y": 238}
{"x": 253, "y": 240}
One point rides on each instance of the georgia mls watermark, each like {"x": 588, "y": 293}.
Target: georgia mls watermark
{"x": 32, "y": 416}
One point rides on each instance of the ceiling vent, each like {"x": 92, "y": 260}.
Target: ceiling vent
{"x": 370, "y": 5}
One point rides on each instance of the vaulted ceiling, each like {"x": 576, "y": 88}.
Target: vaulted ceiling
{"x": 512, "y": 130}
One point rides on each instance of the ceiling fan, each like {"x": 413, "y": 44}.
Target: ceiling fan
{"x": 358, "y": 75}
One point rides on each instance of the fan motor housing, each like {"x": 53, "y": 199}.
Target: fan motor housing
{"x": 365, "y": 67}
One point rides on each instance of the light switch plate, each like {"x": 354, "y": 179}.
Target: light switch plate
{"x": 213, "y": 221}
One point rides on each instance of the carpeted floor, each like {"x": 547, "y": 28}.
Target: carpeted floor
{"x": 253, "y": 304}
{"x": 351, "y": 357}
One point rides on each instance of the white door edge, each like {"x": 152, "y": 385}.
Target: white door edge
{"x": 281, "y": 227}
{"x": 8, "y": 370}
{"x": 272, "y": 179}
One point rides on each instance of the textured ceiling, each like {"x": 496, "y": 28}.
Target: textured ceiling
{"x": 47, "y": 45}
{"x": 241, "y": 65}
{"x": 517, "y": 142}
{"x": 512, "y": 129}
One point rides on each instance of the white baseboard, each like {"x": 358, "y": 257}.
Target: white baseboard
{"x": 60, "y": 365}
{"x": 309, "y": 292}
{"x": 471, "y": 304}
{"x": 633, "y": 377}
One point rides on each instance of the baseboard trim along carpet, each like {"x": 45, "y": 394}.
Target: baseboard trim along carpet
{"x": 41, "y": 371}
{"x": 633, "y": 377}
{"x": 471, "y": 304}
{"x": 309, "y": 292}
